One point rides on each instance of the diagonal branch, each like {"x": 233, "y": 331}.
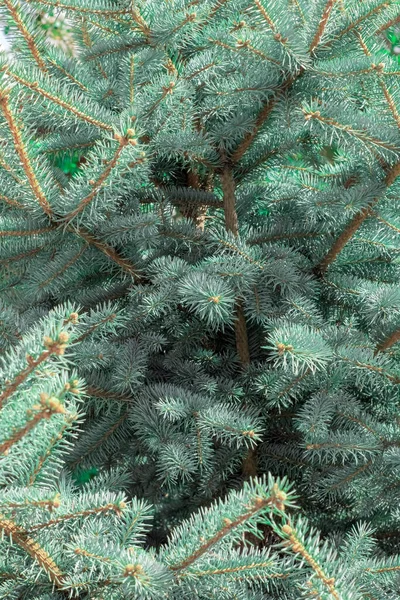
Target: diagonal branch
{"x": 97, "y": 185}
{"x": 388, "y": 342}
{"x": 354, "y": 225}
{"x": 259, "y": 505}
{"x": 20, "y": 537}
{"x": 261, "y": 118}
{"x": 26, "y": 35}
{"x": 322, "y": 25}
{"x": 35, "y": 87}
{"x": 109, "y": 251}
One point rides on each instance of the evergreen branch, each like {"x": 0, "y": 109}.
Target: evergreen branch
{"x": 354, "y": 225}
{"x": 35, "y": 87}
{"x": 247, "y": 45}
{"x": 9, "y": 170}
{"x": 20, "y": 537}
{"x": 49, "y": 504}
{"x": 21, "y": 256}
{"x": 26, "y": 35}
{"x": 67, "y": 265}
{"x": 260, "y": 120}
{"x": 21, "y": 377}
{"x": 296, "y": 546}
{"x": 101, "y": 441}
{"x": 362, "y": 43}
{"x": 361, "y": 19}
{"x": 258, "y": 505}
{"x": 351, "y": 476}
{"x": 265, "y": 15}
{"x": 109, "y": 51}
{"x": 106, "y": 13}
{"x": 97, "y": 185}
{"x": 143, "y": 26}
{"x": 96, "y": 392}
{"x": 384, "y": 569}
{"x": 53, "y": 347}
{"x": 23, "y": 155}
{"x": 321, "y": 27}
{"x": 358, "y": 134}
{"x": 11, "y": 202}
{"x": 393, "y": 378}
{"x": 122, "y": 262}
{"x": 387, "y": 25}
{"x": 117, "y": 508}
{"x": 384, "y": 222}
{"x": 70, "y": 418}
{"x": 51, "y": 406}
{"x": 68, "y": 75}
{"x": 390, "y": 101}
{"x": 238, "y": 569}
{"x": 388, "y": 342}
{"x": 108, "y": 319}
{"x": 25, "y": 232}
{"x": 285, "y": 236}
{"x": 217, "y": 6}
{"x": 165, "y": 92}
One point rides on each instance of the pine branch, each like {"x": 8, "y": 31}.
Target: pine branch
{"x": 51, "y": 406}
{"x": 122, "y": 262}
{"x": 97, "y": 185}
{"x": 388, "y": 25}
{"x": 35, "y": 87}
{"x": 23, "y": 155}
{"x": 70, "y": 418}
{"x": 322, "y": 25}
{"x": 354, "y": 225}
{"x": 295, "y": 544}
{"x": 388, "y": 342}
{"x": 20, "y": 537}
{"x": 258, "y": 505}
{"x": 53, "y": 348}
{"x": 261, "y": 119}
{"x": 352, "y": 26}
{"x": 117, "y": 508}
{"x": 389, "y": 100}
{"x": 106, "y": 13}
{"x": 68, "y": 75}
{"x": 26, "y": 35}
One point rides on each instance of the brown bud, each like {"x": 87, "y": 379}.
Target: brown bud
{"x": 56, "y": 502}
{"x": 287, "y": 529}
{"x": 133, "y": 570}
{"x": 63, "y": 337}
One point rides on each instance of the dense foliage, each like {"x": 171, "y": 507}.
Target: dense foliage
{"x": 199, "y": 287}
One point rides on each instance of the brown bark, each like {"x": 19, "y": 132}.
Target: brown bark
{"x": 388, "y": 342}
{"x": 228, "y": 187}
{"x": 249, "y": 466}
{"x": 242, "y": 342}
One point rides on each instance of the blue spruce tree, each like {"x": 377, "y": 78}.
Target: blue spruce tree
{"x": 199, "y": 287}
